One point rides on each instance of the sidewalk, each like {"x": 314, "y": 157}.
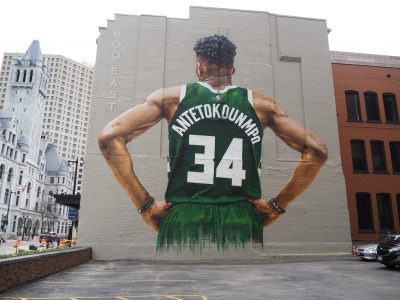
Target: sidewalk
{"x": 8, "y": 246}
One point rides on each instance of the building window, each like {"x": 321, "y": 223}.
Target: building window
{"x": 21, "y": 173}
{"x": 51, "y": 179}
{"x": 353, "y": 106}
{"x": 398, "y": 206}
{"x": 14, "y": 223}
{"x": 10, "y": 174}
{"x": 17, "y": 199}
{"x": 385, "y": 211}
{"x": 2, "y": 167}
{"x": 389, "y": 101}
{"x": 24, "y": 78}
{"x": 29, "y": 188}
{"x": 7, "y": 192}
{"x": 31, "y": 76}
{"x": 23, "y": 157}
{"x": 372, "y": 106}
{"x": 395, "y": 155}
{"x": 18, "y": 74}
{"x": 364, "y": 212}
{"x": 358, "y": 156}
{"x": 378, "y": 156}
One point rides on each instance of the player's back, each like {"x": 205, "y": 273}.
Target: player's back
{"x": 215, "y": 142}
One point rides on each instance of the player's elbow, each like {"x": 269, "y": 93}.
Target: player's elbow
{"x": 321, "y": 153}
{"x": 105, "y": 138}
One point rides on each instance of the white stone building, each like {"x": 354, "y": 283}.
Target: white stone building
{"x": 29, "y": 165}
{"x": 66, "y": 109}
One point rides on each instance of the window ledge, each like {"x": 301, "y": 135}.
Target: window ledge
{"x": 393, "y": 122}
{"x": 374, "y": 121}
{"x": 381, "y": 172}
{"x": 360, "y": 172}
{"x": 355, "y": 121}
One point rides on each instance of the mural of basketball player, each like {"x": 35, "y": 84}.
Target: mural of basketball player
{"x": 215, "y": 137}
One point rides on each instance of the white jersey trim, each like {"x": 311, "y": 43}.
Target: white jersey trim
{"x": 250, "y": 97}
{"x": 183, "y": 93}
{"x": 206, "y": 85}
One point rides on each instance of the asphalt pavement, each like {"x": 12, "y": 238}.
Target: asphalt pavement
{"x": 279, "y": 278}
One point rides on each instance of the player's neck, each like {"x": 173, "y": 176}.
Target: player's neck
{"x": 217, "y": 82}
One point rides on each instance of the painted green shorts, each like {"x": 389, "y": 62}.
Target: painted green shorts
{"x": 196, "y": 225}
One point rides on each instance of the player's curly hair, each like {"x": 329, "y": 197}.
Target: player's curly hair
{"x": 217, "y": 50}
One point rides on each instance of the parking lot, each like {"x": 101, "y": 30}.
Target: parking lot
{"x": 284, "y": 278}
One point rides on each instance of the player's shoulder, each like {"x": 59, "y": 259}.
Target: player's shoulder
{"x": 164, "y": 94}
{"x": 263, "y": 102}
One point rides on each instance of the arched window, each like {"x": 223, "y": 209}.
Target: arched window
{"x": 385, "y": 211}
{"x": 10, "y": 174}
{"x": 18, "y": 75}
{"x": 30, "y": 76}
{"x": 364, "y": 212}
{"x": 353, "y": 106}
{"x": 372, "y": 106}
{"x": 29, "y": 188}
{"x": 2, "y": 167}
{"x": 395, "y": 155}
{"x": 24, "y": 78}
{"x": 378, "y": 156}
{"x": 389, "y": 102}
{"x": 359, "y": 156}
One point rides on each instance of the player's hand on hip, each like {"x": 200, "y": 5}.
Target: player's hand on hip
{"x": 266, "y": 212}
{"x": 155, "y": 213}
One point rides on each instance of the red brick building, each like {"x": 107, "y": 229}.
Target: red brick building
{"x": 367, "y": 93}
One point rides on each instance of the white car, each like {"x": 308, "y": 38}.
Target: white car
{"x": 367, "y": 252}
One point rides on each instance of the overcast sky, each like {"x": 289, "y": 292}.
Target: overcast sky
{"x": 70, "y": 28}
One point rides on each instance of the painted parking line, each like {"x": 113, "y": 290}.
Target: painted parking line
{"x": 118, "y": 281}
{"x": 175, "y": 297}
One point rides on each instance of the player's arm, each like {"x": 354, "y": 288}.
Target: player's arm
{"x": 123, "y": 129}
{"x": 312, "y": 149}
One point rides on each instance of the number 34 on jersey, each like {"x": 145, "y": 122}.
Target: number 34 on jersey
{"x": 230, "y": 167}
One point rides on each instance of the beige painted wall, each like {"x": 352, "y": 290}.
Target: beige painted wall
{"x": 284, "y": 57}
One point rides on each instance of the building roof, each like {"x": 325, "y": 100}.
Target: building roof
{"x": 54, "y": 161}
{"x": 351, "y": 58}
{"x": 22, "y": 140}
{"x": 4, "y": 122}
{"x": 34, "y": 52}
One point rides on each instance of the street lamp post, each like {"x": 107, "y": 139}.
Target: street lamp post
{"x": 8, "y": 211}
{"x": 25, "y": 216}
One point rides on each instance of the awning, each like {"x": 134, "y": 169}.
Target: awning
{"x": 68, "y": 200}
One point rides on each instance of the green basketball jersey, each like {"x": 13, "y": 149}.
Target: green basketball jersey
{"x": 215, "y": 142}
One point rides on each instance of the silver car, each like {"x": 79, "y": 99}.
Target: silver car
{"x": 367, "y": 252}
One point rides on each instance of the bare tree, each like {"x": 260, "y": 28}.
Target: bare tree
{"x": 48, "y": 212}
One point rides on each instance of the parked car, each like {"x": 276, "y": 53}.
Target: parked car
{"x": 389, "y": 251}
{"x": 367, "y": 252}
{"x": 50, "y": 237}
